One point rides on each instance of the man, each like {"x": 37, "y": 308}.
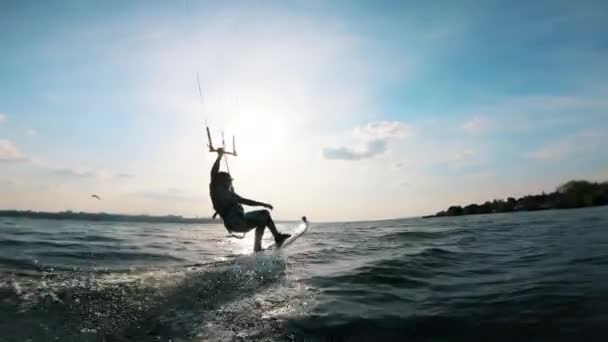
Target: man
{"x": 228, "y": 205}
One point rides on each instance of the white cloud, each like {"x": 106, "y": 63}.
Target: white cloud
{"x": 383, "y": 130}
{"x": 477, "y": 125}
{"x": 2, "y": 118}
{"x": 6, "y": 183}
{"x": 170, "y": 194}
{"x": 464, "y": 155}
{"x": 578, "y": 144}
{"x": 371, "y": 149}
{"x": 530, "y": 113}
{"x": 373, "y": 139}
{"x": 30, "y": 132}
{"x": 73, "y": 173}
{"x": 99, "y": 175}
{"x": 458, "y": 159}
{"x": 10, "y": 153}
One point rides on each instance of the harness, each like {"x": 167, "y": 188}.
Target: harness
{"x": 228, "y": 229}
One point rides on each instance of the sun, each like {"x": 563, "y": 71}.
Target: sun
{"x": 258, "y": 135}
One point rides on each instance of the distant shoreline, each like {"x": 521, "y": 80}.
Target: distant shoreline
{"x": 69, "y": 215}
{"x": 573, "y": 194}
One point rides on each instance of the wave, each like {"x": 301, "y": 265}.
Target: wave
{"x": 38, "y": 244}
{"x": 95, "y": 238}
{"x": 152, "y": 305}
{"x": 63, "y": 235}
{"x": 407, "y": 271}
{"x": 592, "y": 260}
{"x": 109, "y": 255}
{"x": 17, "y": 265}
{"x": 416, "y": 235}
{"x": 442, "y": 327}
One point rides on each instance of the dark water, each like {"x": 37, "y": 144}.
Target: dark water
{"x": 539, "y": 276}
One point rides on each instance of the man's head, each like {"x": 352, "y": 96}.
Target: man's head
{"x": 223, "y": 179}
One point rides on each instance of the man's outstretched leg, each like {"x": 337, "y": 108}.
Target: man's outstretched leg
{"x": 263, "y": 219}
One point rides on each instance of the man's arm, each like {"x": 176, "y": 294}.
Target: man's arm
{"x": 252, "y": 203}
{"x": 216, "y": 166}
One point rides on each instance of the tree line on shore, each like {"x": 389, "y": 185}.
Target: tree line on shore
{"x": 70, "y": 215}
{"x": 573, "y": 194}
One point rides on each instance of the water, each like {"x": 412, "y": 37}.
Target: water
{"x": 526, "y": 276}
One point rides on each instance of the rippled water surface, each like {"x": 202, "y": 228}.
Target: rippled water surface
{"x": 525, "y": 276}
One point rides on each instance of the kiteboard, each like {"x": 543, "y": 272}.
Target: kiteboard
{"x": 302, "y": 228}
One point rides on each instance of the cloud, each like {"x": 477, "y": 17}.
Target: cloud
{"x": 372, "y": 149}
{"x": 462, "y": 159}
{"x": 99, "y": 175}
{"x": 170, "y": 194}
{"x": 464, "y": 155}
{"x": 10, "y": 153}
{"x": 2, "y": 118}
{"x": 534, "y": 112}
{"x": 30, "y": 132}
{"x": 7, "y": 183}
{"x": 477, "y": 125}
{"x": 384, "y": 129}
{"x": 581, "y": 143}
{"x": 374, "y": 138}
{"x": 73, "y": 173}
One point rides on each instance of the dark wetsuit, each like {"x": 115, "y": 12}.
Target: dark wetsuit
{"x": 228, "y": 205}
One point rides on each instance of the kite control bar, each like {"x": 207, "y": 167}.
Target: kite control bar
{"x": 213, "y": 149}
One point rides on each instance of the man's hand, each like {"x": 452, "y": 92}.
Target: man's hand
{"x": 216, "y": 166}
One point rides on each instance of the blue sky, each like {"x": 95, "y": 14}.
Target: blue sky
{"x": 343, "y": 110}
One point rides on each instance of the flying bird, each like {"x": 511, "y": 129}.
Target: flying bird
{"x": 95, "y": 196}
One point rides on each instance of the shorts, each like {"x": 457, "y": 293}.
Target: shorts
{"x": 241, "y": 223}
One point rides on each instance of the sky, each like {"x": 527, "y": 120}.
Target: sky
{"x": 342, "y": 110}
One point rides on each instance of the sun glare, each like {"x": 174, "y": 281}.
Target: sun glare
{"x": 258, "y": 135}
